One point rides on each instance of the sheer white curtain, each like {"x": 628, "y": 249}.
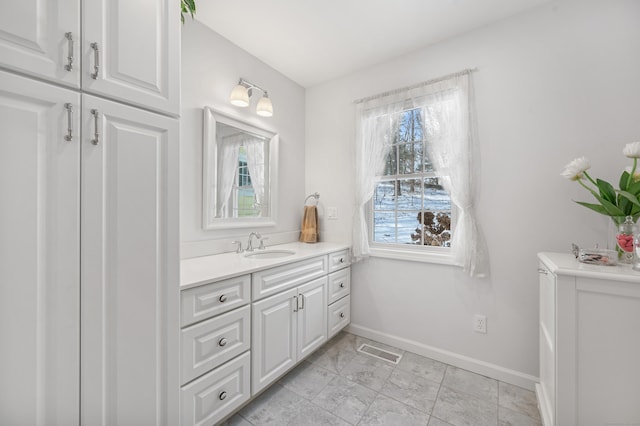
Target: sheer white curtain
{"x": 374, "y": 124}
{"x": 447, "y": 105}
{"x": 255, "y": 163}
{"x": 227, "y": 170}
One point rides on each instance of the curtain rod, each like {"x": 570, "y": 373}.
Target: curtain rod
{"x": 415, "y": 86}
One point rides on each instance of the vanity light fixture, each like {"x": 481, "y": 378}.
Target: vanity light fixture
{"x": 242, "y": 92}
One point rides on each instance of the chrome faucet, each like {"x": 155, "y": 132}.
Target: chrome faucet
{"x": 250, "y": 242}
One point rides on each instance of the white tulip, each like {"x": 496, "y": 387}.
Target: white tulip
{"x": 632, "y": 150}
{"x": 574, "y": 170}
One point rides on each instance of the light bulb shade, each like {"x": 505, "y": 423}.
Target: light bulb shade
{"x": 239, "y": 96}
{"x": 264, "y": 107}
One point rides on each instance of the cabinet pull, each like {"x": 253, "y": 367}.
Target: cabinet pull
{"x": 295, "y": 304}
{"x": 341, "y": 314}
{"x": 341, "y": 260}
{"x": 342, "y": 285}
{"x": 542, "y": 271}
{"x": 69, "y": 65}
{"x": 222, "y": 342}
{"x": 302, "y": 298}
{"x": 69, "y": 136}
{"x": 96, "y": 60}
{"x": 222, "y": 298}
{"x": 96, "y": 123}
{"x": 222, "y": 396}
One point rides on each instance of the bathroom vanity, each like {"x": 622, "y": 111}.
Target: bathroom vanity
{"x": 589, "y": 345}
{"x": 248, "y": 318}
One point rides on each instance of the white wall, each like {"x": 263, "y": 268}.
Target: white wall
{"x": 555, "y": 83}
{"x": 211, "y": 67}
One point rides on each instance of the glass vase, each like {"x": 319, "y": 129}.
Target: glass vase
{"x": 624, "y": 242}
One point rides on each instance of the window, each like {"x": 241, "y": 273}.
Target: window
{"x": 410, "y": 207}
{"x": 244, "y": 203}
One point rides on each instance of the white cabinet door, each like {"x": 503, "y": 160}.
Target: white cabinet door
{"x": 129, "y": 265}
{"x": 33, "y": 39}
{"x": 39, "y": 253}
{"x": 312, "y": 316}
{"x": 131, "y": 52}
{"x": 273, "y": 346}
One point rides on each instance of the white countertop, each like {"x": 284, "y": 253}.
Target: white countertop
{"x": 567, "y": 264}
{"x": 205, "y": 269}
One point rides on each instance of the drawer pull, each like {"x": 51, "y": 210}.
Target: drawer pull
{"x": 341, "y": 260}
{"x": 542, "y": 271}
{"x": 222, "y": 342}
{"x": 222, "y": 396}
{"x": 222, "y": 298}
{"x": 342, "y": 285}
{"x": 341, "y": 314}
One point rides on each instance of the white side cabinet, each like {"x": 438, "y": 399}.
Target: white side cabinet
{"x": 127, "y": 51}
{"x": 589, "y": 345}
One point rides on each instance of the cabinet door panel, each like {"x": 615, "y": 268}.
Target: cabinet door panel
{"x": 312, "y": 317}
{"x": 39, "y": 254}
{"x": 273, "y": 347}
{"x": 32, "y": 38}
{"x": 138, "y": 51}
{"x": 130, "y": 295}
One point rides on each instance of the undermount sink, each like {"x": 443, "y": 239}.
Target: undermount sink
{"x": 269, "y": 254}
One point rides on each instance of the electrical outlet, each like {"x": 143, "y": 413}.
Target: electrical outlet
{"x": 480, "y": 323}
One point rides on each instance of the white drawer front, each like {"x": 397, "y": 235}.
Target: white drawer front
{"x": 206, "y": 301}
{"x": 339, "y": 259}
{"x": 213, "y": 342}
{"x": 339, "y": 284}
{"x": 275, "y": 280}
{"x": 339, "y": 315}
{"x": 209, "y": 399}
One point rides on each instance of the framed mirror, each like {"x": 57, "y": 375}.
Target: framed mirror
{"x": 239, "y": 173}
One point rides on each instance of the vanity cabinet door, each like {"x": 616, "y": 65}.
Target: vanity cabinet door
{"x": 34, "y": 40}
{"x": 39, "y": 253}
{"x": 273, "y": 346}
{"x": 131, "y": 52}
{"x": 312, "y": 316}
{"x": 129, "y": 266}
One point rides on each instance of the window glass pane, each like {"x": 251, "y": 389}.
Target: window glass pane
{"x": 408, "y": 231}
{"x": 391, "y": 165}
{"x": 246, "y": 202}
{"x": 410, "y": 126}
{"x": 384, "y": 226}
{"x": 410, "y": 158}
{"x": 384, "y": 197}
{"x": 435, "y": 219}
{"x": 409, "y": 194}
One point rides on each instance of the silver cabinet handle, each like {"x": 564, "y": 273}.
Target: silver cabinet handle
{"x": 222, "y": 298}
{"x": 222, "y": 342}
{"x": 342, "y": 285}
{"x": 96, "y": 122}
{"x": 341, "y": 314}
{"x": 295, "y": 304}
{"x": 222, "y": 396}
{"x": 96, "y": 60}
{"x": 69, "y": 65}
{"x": 69, "y": 136}
{"x": 542, "y": 271}
{"x": 302, "y": 297}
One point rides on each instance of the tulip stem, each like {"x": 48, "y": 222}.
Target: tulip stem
{"x": 587, "y": 188}
{"x": 633, "y": 171}
{"x": 591, "y": 180}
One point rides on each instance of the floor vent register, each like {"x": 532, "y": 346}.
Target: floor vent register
{"x": 382, "y": 354}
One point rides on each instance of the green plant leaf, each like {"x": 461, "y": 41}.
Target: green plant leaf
{"x": 623, "y": 180}
{"x": 624, "y": 204}
{"x": 634, "y": 188}
{"x": 606, "y": 190}
{"x": 611, "y": 208}
{"x": 630, "y": 197}
{"x": 596, "y": 207}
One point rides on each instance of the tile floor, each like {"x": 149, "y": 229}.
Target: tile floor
{"x": 337, "y": 385}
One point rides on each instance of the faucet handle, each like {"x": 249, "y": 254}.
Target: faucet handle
{"x": 262, "y": 246}
{"x": 239, "y": 246}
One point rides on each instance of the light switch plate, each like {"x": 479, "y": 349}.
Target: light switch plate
{"x": 332, "y": 213}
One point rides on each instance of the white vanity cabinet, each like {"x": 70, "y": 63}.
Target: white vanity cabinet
{"x": 589, "y": 345}
{"x": 215, "y": 347}
{"x": 290, "y": 324}
{"x": 126, "y": 51}
{"x": 339, "y": 300}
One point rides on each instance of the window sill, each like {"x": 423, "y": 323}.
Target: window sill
{"x": 411, "y": 255}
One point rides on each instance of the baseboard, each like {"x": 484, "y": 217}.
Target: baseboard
{"x": 461, "y": 361}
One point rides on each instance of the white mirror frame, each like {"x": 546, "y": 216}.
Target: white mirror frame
{"x": 210, "y": 175}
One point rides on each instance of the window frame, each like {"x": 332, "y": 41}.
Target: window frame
{"x": 403, "y": 251}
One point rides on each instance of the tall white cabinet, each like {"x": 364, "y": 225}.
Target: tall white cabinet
{"x": 89, "y": 297}
{"x": 589, "y": 345}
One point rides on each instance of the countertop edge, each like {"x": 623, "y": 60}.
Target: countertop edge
{"x": 566, "y": 264}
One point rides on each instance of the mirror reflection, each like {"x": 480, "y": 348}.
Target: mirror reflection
{"x": 239, "y": 178}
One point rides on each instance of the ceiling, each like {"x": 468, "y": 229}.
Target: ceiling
{"x": 313, "y": 41}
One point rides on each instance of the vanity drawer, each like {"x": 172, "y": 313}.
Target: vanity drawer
{"x": 215, "y": 341}
{"x": 339, "y": 315}
{"x": 339, "y": 259}
{"x": 275, "y": 280}
{"x": 209, "y": 399}
{"x": 339, "y": 284}
{"x": 206, "y": 301}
